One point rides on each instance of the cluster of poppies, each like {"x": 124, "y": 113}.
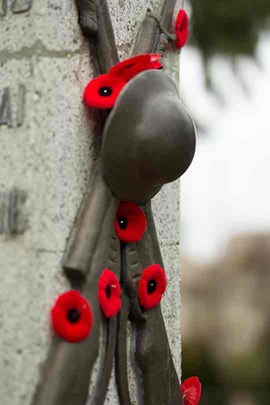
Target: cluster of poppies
{"x": 72, "y": 316}
{"x": 103, "y": 91}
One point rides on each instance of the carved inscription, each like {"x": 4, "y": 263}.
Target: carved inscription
{"x": 21, "y": 104}
{"x": 17, "y": 6}
{"x": 12, "y": 217}
{"x": 5, "y": 109}
{"x": 3, "y": 7}
{"x": 6, "y": 112}
{"x": 20, "y": 6}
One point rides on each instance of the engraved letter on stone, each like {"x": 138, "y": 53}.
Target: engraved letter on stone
{"x": 5, "y": 109}
{"x": 3, "y": 8}
{"x": 21, "y": 103}
{"x": 19, "y": 6}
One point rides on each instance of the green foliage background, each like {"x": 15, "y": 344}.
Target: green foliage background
{"x": 228, "y": 27}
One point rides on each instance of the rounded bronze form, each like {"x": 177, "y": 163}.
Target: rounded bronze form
{"x": 149, "y": 138}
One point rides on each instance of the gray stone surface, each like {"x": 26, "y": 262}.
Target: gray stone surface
{"x": 49, "y": 26}
{"x": 126, "y": 16}
{"x": 166, "y": 215}
{"x": 51, "y": 157}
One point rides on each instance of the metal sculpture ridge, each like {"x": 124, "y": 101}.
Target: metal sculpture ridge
{"x": 93, "y": 245}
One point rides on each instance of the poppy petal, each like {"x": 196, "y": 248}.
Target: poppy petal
{"x": 109, "y": 293}
{"x": 137, "y": 64}
{"x": 130, "y": 222}
{"x": 191, "y": 391}
{"x": 181, "y": 29}
{"x": 151, "y": 286}
{"x": 71, "y": 316}
{"x": 103, "y": 91}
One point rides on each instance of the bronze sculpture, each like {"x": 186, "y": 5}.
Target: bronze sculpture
{"x": 93, "y": 244}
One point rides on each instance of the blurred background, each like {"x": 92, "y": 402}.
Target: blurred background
{"x": 225, "y": 82}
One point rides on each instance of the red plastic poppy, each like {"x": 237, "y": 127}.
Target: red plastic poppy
{"x": 152, "y": 286}
{"x": 191, "y": 391}
{"x": 181, "y": 29}
{"x": 109, "y": 293}
{"x": 130, "y": 222}
{"x": 103, "y": 91}
{"x": 133, "y": 66}
{"x": 71, "y": 316}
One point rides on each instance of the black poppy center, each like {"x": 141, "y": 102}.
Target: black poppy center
{"x": 105, "y": 91}
{"x": 151, "y": 286}
{"x": 108, "y": 291}
{"x": 123, "y": 223}
{"x": 73, "y": 315}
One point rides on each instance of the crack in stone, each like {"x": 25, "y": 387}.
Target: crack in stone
{"x": 37, "y": 49}
{"x": 49, "y": 251}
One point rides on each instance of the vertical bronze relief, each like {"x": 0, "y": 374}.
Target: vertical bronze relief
{"x": 93, "y": 245}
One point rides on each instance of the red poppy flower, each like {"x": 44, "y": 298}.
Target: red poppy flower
{"x": 71, "y": 316}
{"x": 133, "y": 66}
{"x": 130, "y": 222}
{"x": 152, "y": 286}
{"x": 103, "y": 91}
{"x": 181, "y": 29}
{"x": 109, "y": 293}
{"x": 191, "y": 391}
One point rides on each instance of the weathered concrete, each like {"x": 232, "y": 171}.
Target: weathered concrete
{"x": 51, "y": 157}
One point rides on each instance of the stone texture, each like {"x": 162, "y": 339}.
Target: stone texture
{"x": 51, "y": 157}
{"x": 171, "y": 302}
{"x": 49, "y": 26}
{"x": 126, "y": 16}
